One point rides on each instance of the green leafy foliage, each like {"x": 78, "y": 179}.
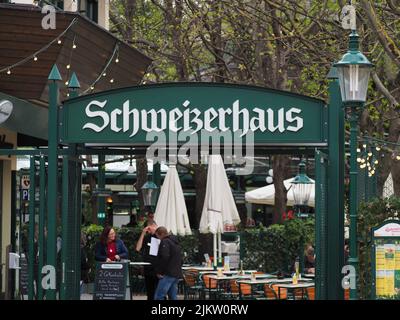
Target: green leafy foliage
{"x": 276, "y": 247}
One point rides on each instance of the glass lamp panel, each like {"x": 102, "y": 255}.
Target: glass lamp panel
{"x": 149, "y": 197}
{"x": 353, "y": 81}
{"x": 301, "y": 193}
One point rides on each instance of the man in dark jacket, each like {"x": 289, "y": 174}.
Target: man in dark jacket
{"x": 143, "y": 246}
{"x": 169, "y": 265}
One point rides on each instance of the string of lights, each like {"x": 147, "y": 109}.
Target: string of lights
{"x": 35, "y": 55}
{"x": 103, "y": 73}
{"x": 372, "y": 149}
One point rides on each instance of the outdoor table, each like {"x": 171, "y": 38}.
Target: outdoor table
{"x": 139, "y": 263}
{"x": 198, "y": 268}
{"x": 237, "y": 276}
{"x": 291, "y": 286}
{"x": 271, "y": 280}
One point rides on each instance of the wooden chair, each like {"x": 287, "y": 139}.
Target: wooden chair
{"x": 245, "y": 291}
{"x": 210, "y": 286}
{"x": 231, "y": 290}
{"x": 191, "y": 287}
{"x": 310, "y": 293}
{"x": 346, "y": 294}
{"x": 269, "y": 293}
{"x": 283, "y": 292}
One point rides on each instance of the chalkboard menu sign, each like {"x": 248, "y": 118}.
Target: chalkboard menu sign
{"x": 111, "y": 281}
{"x": 23, "y": 275}
{"x": 386, "y": 260}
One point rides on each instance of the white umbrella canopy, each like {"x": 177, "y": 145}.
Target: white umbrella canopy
{"x": 171, "y": 211}
{"x": 266, "y": 195}
{"x": 219, "y": 210}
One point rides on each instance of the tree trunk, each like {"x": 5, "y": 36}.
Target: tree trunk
{"x": 200, "y": 183}
{"x": 280, "y": 167}
{"x": 141, "y": 179}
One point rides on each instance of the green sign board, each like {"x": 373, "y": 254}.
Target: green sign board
{"x": 386, "y": 260}
{"x": 192, "y": 111}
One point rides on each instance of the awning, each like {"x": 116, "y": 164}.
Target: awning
{"x": 26, "y": 117}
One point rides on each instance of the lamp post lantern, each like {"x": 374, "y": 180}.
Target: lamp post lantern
{"x": 150, "y": 193}
{"x": 353, "y": 73}
{"x": 302, "y": 186}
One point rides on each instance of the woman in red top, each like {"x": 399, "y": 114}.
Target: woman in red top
{"x": 109, "y": 248}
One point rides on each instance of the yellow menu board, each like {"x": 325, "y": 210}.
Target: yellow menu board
{"x": 387, "y": 266}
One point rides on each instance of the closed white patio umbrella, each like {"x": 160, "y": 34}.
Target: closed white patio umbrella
{"x": 266, "y": 195}
{"x": 171, "y": 211}
{"x": 219, "y": 210}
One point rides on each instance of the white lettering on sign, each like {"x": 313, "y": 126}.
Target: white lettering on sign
{"x": 193, "y": 120}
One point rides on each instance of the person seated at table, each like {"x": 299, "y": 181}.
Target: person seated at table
{"x": 110, "y": 248}
{"x": 150, "y": 278}
{"x": 309, "y": 260}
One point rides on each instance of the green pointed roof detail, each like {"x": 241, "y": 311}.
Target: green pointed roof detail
{"x": 55, "y": 74}
{"x": 74, "y": 82}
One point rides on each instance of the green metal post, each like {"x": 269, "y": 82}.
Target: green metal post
{"x": 101, "y": 185}
{"x": 71, "y": 218}
{"x": 31, "y": 258}
{"x": 42, "y": 221}
{"x": 65, "y": 231}
{"x": 335, "y": 237}
{"x": 353, "y": 260}
{"x": 321, "y": 224}
{"x": 52, "y": 183}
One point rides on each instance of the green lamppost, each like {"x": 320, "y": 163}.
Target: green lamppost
{"x": 353, "y": 73}
{"x": 302, "y": 187}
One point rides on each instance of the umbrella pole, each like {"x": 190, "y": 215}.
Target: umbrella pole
{"x": 215, "y": 249}
{"x": 219, "y": 247}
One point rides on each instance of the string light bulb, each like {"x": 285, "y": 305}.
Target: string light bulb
{"x": 112, "y": 81}
{"x": 92, "y": 87}
{"x": 364, "y": 146}
{"x": 68, "y": 66}
{"x": 34, "y": 58}
{"x": 369, "y": 154}
{"x": 358, "y": 159}
{"x": 358, "y": 150}
{"x": 117, "y": 60}
{"x": 378, "y": 149}
{"x": 59, "y": 41}
{"x": 74, "y": 46}
{"x": 376, "y": 162}
{"x": 104, "y": 74}
{"x": 8, "y": 71}
{"x": 66, "y": 83}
